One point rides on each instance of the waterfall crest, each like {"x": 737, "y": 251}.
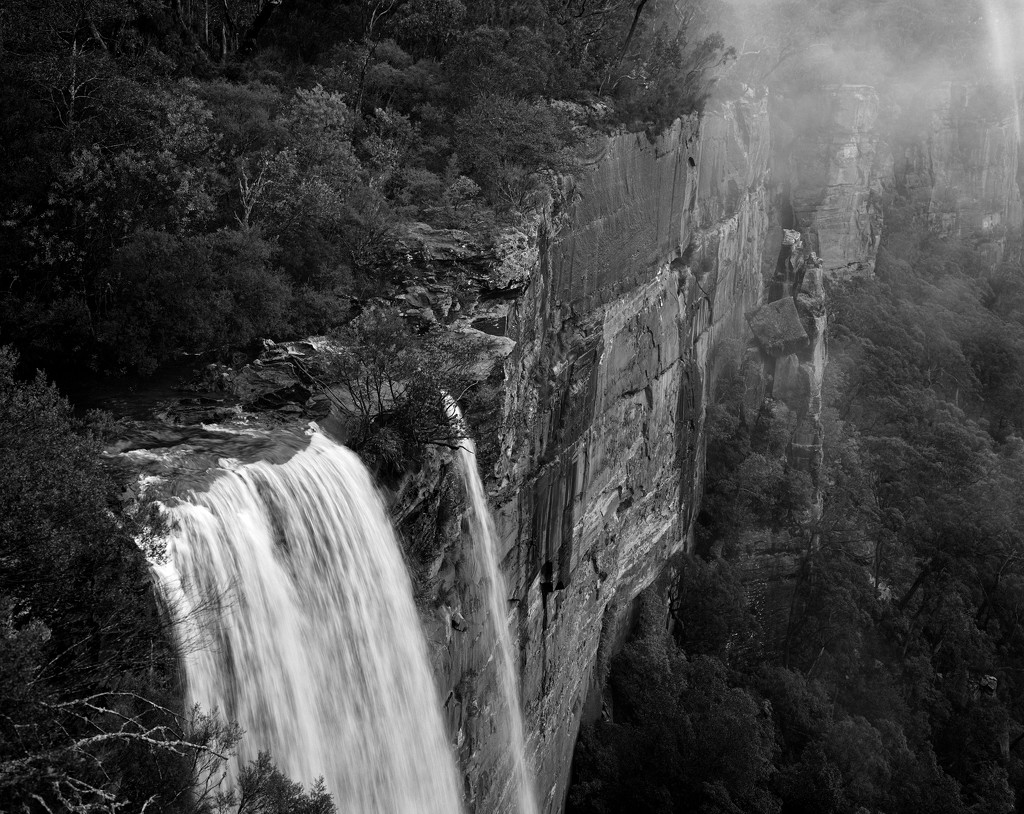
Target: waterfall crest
{"x": 497, "y": 600}
{"x": 294, "y": 614}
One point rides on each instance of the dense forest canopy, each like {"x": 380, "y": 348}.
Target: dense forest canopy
{"x": 188, "y": 176}
{"x": 184, "y": 176}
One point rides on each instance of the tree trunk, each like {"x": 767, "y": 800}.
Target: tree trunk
{"x": 248, "y": 43}
{"x": 921, "y": 577}
{"x": 625, "y": 45}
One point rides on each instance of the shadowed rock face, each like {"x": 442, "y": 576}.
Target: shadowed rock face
{"x": 789, "y": 385}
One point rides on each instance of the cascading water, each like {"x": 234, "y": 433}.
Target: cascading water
{"x": 295, "y": 616}
{"x": 487, "y": 552}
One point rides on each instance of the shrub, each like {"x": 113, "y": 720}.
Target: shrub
{"x": 397, "y": 389}
{"x": 169, "y": 295}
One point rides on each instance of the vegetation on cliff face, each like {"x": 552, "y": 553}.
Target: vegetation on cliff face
{"x": 896, "y": 683}
{"x": 184, "y": 177}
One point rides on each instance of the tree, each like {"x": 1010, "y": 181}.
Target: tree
{"x": 681, "y": 737}
{"x": 264, "y": 789}
{"x": 87, "y": 672}
{"x": 397, "y": 391}
{"x": 171, "y": 295}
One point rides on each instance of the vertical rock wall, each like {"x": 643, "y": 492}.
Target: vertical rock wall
{"x": 666, "y": 256}
{"x": 655, "y": 264}
{"x": 652, "y": 263}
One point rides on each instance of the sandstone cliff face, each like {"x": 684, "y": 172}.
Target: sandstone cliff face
{"x": 600, "y": 330}
{"x": 638, "y": 281}
{"x": 604, "y": 414}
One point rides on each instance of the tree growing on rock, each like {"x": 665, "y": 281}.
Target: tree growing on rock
{"x": 398, "y": 389}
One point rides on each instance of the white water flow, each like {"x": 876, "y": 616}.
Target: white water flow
{"x": 295, "y": 616}
{"x": 497, "y": 600}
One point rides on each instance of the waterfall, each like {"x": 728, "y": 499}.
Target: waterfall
{"x": 497, "y": 602}
{"x": 294, "y": 613}
{"x": 1005, "y": 23}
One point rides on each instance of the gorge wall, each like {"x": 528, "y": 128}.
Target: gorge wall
{"x": 956, "y": 155}
{"x": 605, "y": 326}
{"x": 637, "y": 286}
{"x": 602, "y": 444}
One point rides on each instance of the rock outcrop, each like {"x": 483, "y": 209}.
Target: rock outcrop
{"x": 787, "y": 357}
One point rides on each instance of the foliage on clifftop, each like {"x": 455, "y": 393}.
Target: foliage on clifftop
{"x": 184, "y": 177}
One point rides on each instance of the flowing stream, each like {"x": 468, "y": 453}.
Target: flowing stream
{"x": 497, "y": 599}
{"x": 294, "y": 614}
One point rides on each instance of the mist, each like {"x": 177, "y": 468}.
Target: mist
{"x": 907, "y": 48}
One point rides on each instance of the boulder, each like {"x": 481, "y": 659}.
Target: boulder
{"x": 778, "y": 329}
